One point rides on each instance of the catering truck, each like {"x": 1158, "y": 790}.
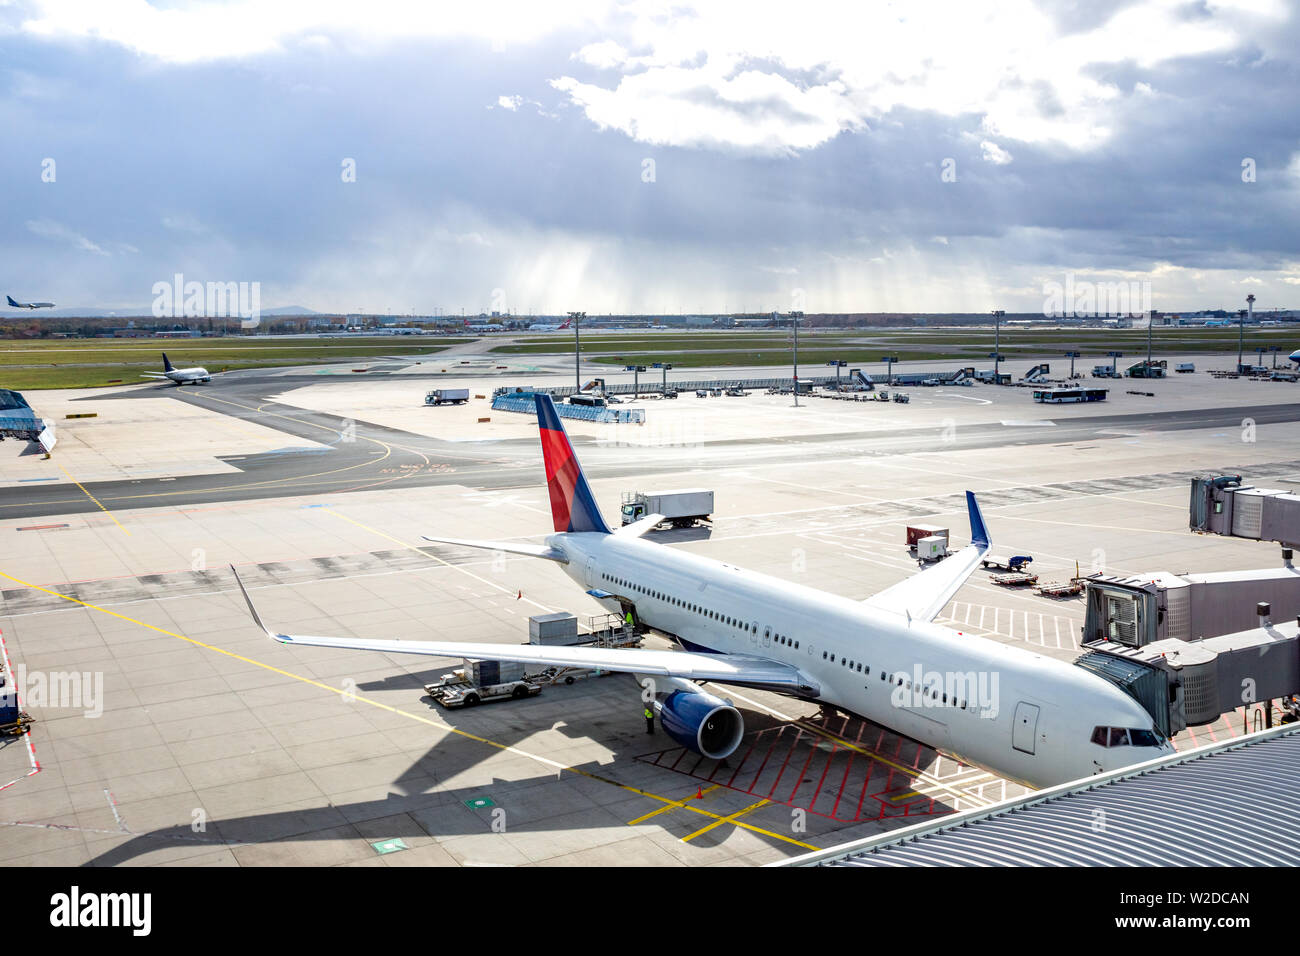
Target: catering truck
{"x": 681, "y": 508}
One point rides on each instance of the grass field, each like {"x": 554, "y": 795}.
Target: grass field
{"x": 88, "y": 363}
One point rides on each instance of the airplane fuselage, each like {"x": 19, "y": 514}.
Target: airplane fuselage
{"x": 189, "y": 376}
{"x": 1015, "y": 713}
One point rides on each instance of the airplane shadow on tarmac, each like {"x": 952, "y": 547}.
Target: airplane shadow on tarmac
{"x": 549, "y": 800}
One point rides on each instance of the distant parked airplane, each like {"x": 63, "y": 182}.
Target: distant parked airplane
{"x": 551, "y": 326}
{"x": 181, "y": 376}
{"x": 28, "y": 305}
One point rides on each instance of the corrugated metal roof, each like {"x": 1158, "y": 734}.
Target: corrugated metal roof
{"x": 1230, "y": 804}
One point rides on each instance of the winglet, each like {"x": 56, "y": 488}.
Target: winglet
{"x": 979, "y": 531}
{"x": 640, "y": 526}
{"x": 257, "y": 618}
{"x": 573, "y": 507}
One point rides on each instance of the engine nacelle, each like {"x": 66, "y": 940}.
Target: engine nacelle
{"x": 701, "y": 722}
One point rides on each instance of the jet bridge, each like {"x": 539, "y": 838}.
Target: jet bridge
{"x": 1185, "y": 683}
{"x": 1221, "y": 504}
{"x": 17, "y": 420}
{"x": 1140, "y": 609}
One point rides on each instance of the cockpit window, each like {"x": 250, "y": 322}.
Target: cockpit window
{"x": 1125, "y": 737}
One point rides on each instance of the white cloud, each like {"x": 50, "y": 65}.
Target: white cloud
{"x": 511, "y": 103}
{"x": 603, "y": 55}
{"x": 993, "y": 153}
{"x": 750, "y": 110}
{"x": 844, "y": 66}
{"x": 57, "y": 232}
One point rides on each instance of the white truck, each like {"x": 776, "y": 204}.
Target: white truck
{"x": 682, "y": 508}
{"x": 447, "y": 396}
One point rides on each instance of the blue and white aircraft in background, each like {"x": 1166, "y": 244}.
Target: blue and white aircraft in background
{"x": 28, "y": 305}
{"x": 1015, "y": 713}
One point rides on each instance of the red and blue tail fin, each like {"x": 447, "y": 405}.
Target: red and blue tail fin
{"x": 572, "y": 505}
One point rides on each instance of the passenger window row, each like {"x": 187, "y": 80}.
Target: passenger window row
{"x": 694, "y": 608}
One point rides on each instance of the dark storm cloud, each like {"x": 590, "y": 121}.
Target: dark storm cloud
{"x": 230, "y": 169}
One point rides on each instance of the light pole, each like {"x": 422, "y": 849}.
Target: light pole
{"x": 997, "y": 340}
{"x": 1151, "y": 320}
{"x": 576, "y": 318}
{"x": 796, "y": 316}
{"x": 1241, "y": 337}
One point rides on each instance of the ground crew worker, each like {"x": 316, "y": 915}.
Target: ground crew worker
{"x": 649, "y": 720}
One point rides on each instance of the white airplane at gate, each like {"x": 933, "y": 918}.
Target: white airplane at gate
{"x": 1018, "y": 714}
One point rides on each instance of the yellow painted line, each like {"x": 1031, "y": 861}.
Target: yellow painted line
{"x": 94, "y": 499}
{"x": 728, "y": 819}
{"x": 665, "y": 809}
{"x": 352, "y": 695}
{"x": 904, "y": 796}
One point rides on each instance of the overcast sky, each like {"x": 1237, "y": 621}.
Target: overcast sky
{"x": 651, "y": 157}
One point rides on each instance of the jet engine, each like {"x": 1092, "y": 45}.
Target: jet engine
{"x": 701, "y": 722}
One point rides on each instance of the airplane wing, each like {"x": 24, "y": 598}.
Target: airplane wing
{"x": 640, "y": 526}
{"x": 152, "y": 375}
{"x": 923, "y": 595}
{"x": 734, "y": 669}
{"x": 510, "y": 547}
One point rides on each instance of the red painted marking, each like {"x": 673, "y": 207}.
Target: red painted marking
{"x": 18, "y": 699}
{"x": 752, "y": 740}
{"x": 843, "y": 782}
{"x": 866, "y": 781}
{"x": 812, "y": 749}
{"x": 829, "y": 757}
{"x": 767, "y": 756}
{"x": 42, "y": 527}
{"x": 785, "y": 763}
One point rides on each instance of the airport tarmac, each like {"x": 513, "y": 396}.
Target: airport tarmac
{"x": 209, "y": 744}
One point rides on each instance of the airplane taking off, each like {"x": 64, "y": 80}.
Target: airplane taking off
{"x": 1015, "y": 713}
{"x": 181, "y": 376}
{"x": 28, "y": 305}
